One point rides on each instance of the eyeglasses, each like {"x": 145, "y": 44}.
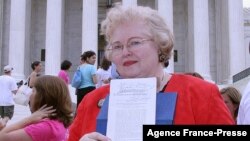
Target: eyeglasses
{"x": 132, "y": 44}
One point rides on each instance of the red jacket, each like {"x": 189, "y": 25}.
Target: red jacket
{"x": 198, "y": 102}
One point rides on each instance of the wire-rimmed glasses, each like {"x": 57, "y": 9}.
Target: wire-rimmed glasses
{"x": 116, "y": 48}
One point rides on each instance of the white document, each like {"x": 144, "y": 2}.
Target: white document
{"x": 132, "y": 103}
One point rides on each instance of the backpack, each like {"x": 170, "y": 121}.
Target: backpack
{"x": 77, "y": 78}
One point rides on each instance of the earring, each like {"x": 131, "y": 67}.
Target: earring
{"x": 162, "y": 57}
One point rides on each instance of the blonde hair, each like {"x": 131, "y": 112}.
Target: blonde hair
{"x": 234, "y": 96}
{"x": 157, "y": 27}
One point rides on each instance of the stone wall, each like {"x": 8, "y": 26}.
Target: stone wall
{"x": 247, "y": 34}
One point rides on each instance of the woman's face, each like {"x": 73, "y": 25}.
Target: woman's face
{"x": 91, "y": 60}
{"x": 38, "y": 68}
{"x": 230, "y": 105}
{"x": 134, "y": 62}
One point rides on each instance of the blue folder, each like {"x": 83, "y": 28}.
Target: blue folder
{"x": 165, "y": 110}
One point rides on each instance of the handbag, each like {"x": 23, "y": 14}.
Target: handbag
{"x": 22, "y": 96}
{"x": 77, "y": 79}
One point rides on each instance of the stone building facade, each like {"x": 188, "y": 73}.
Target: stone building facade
{"x": 247, "y": 34}
{"x": 209, "y": 34}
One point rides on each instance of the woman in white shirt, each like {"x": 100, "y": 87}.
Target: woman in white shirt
{"x": 244, "y": 109}
{"x": 103, "y": 73}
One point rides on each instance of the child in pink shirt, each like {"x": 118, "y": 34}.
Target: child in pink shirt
{"x": 63, "y": 74}
{"x": 53, "y": 129}
{"x": 51, "y": 109}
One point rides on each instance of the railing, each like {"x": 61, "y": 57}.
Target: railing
{"x": 241, "y": 75}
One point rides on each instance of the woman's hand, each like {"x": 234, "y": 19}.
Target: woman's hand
{"x": 106, "y": 81}
{"x": 94, "y": 136}
{"x": 42, "y": 113}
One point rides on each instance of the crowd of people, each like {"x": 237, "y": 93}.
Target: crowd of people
{"x": 139, "y": 44}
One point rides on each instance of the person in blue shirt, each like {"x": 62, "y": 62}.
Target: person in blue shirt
{"x": 88, "y": 71}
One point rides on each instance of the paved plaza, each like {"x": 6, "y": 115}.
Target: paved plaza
{"x": 24, "y": 111}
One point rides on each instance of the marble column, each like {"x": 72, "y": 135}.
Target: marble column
{"x": 1, "y": 31}
{"x": 229, "y": 40}
{"x": 236, "y": 37}
{"x": 221, "y": 42}
{"x": 198, "y": 37}
{"x": 54, "y": 36}
{"x": 127, "y": 3}
{"x": 165, "y": 8}
{"x": 17, "y": 41}
{"x": 90, "y": 26}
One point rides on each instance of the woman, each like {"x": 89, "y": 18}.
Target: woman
{"x": 88, "y": 72}
{"x": 139, "y": 44}
{"x": 51, "y": 113}
{"x": 36, "y": 67}
{"x": 231, "y": 97}
{"x": 103, "y": 73}
{"x": 63, "y": 74}
{"x": 244, "y": 110}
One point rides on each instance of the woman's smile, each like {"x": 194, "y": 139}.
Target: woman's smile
{"x": 129, "y": 63}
